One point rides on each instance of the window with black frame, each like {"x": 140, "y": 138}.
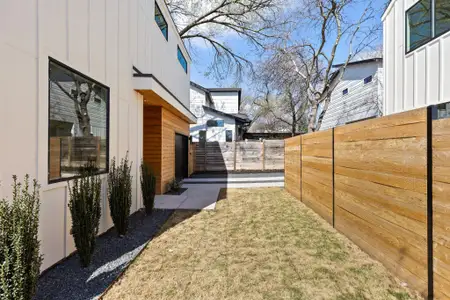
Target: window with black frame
{"x": 420, "y": 19}
{"x": 78, "y": 123}
{"x": 229, "y": 135}
{"x": 182, "y": 59}
{"x": 418, "y": 25}
{"x": 215, "y": 123}
{"x": 161, "y": 21}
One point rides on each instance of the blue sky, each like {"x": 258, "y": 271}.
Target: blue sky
{"x": 202, "y": 55}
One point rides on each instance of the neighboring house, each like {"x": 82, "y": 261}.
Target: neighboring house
{"x": 217, "y": 112}
{"x": 358, "y": 95}
{"x": 85, "y": 81}
{"x": 416, "y": 54}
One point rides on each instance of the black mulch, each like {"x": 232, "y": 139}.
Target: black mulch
{"x": 68, "y": 280}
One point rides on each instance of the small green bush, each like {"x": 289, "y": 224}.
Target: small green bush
{"x": 119, "y": 194}
{"x": 174, "y": 185}
{"x": 20, "y": 260}
{"x": 85, "y": 208}
{"x": 148, "y": 186}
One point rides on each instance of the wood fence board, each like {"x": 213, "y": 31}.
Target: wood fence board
{"x": 380, "y": 191}
{"x": 236, "y": 156}
{"x": 292, "y": 166}
{"x": 441, "y": 207}
{"x": 317, "y": 172}
{"x": 365, "y": 236}
{"x": 409, "y": 117}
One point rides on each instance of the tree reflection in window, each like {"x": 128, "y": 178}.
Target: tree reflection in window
{"x": 442, "y": 16}
{"x": 78, "y": 123}
{"x": 418, "y": 25}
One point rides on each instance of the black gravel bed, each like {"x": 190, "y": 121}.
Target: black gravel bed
{"x": 68, "y": 280}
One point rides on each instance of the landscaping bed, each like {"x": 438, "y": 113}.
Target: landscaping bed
{"x": 257, "y": 244}
{"x": 68, "y": 280}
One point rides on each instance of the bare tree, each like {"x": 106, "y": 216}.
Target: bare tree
{"x": 256, "y": 21}
{"x": 325, "y": 27}
{"x": 280, "y": 97}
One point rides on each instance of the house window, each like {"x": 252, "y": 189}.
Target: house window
{"x": 78, "y": 123}
{"x": 345, "y": 92}
{"x": 161, "y": 21}
{"x": 182, "y": 60}
{"x": 202, "y": 136}
{"x": 229, "y": 135}
{"x": 368, "y": 79}
{"x": 418, "y": 25}
{"x": 442, "y": 17}
{"x": 215, "y": 123}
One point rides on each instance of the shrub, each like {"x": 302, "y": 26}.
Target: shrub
{"x": 148, "y": 186}
{"x": 20, "y": 260}
{"x": 84, "y": 206}
{"x": 174, "y": 185}
{"x": 119, "y": 194}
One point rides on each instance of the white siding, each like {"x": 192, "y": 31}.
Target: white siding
{"x": 416, "y": 79}
{"x": 213, "y": 134}
{"x": 198, "y": 99}
{"x": 362, "y": 101}
{"x": 102, "y": 39}
{"x": 227, "y": 102}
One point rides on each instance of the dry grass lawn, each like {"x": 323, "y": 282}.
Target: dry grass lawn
{"x": 257, "y": 244}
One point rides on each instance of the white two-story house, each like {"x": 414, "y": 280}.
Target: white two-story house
{"x": 357, "y": 93}
{"x": 217, "y": 112}
{"x": 85, "y": 81}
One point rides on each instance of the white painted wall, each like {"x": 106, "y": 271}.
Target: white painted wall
{"x": 419, "y": 78}
{"x": 223, "y": 101}
{"x": 227, "y": 102}
{"x": 362, "y": 101}
{"x": 213, "y": 134}
{"x": 102, "y": 39}
{"x": 198, "y": 99}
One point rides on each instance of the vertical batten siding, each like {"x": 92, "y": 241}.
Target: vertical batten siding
{"x": 416, "y": 79}
{"x": 99, "y": 38}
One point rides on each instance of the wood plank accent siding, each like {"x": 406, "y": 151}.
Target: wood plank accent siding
{"x": 160, "y": 126}
{"x": 171, "y": 124}
{"x": 152, "y": 141}
{"x": 292, "y": 166}
{"x": 317, "y": 172}
{"x": 441, "y": 208}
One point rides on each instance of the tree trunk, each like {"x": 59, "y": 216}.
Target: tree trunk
{"x": 312, "y": 118}
{"x": 84, "y": 120}
{"x": 325, "y": 108}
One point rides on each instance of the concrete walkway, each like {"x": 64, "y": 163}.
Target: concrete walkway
{"x": 203, "y": 191}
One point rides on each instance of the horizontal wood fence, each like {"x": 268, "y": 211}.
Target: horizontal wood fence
{"x": 385, "y": 184}
{"x": 239, "y": 156}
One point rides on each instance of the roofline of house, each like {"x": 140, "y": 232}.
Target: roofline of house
{"x": 387, "y": 9}
{"x": 208, "y": 91}
{"x": 227, "y": 115}
{"x": 363, "y": 61}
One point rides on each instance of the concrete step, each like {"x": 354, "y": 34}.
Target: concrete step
{"x": 234, "y": 180}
